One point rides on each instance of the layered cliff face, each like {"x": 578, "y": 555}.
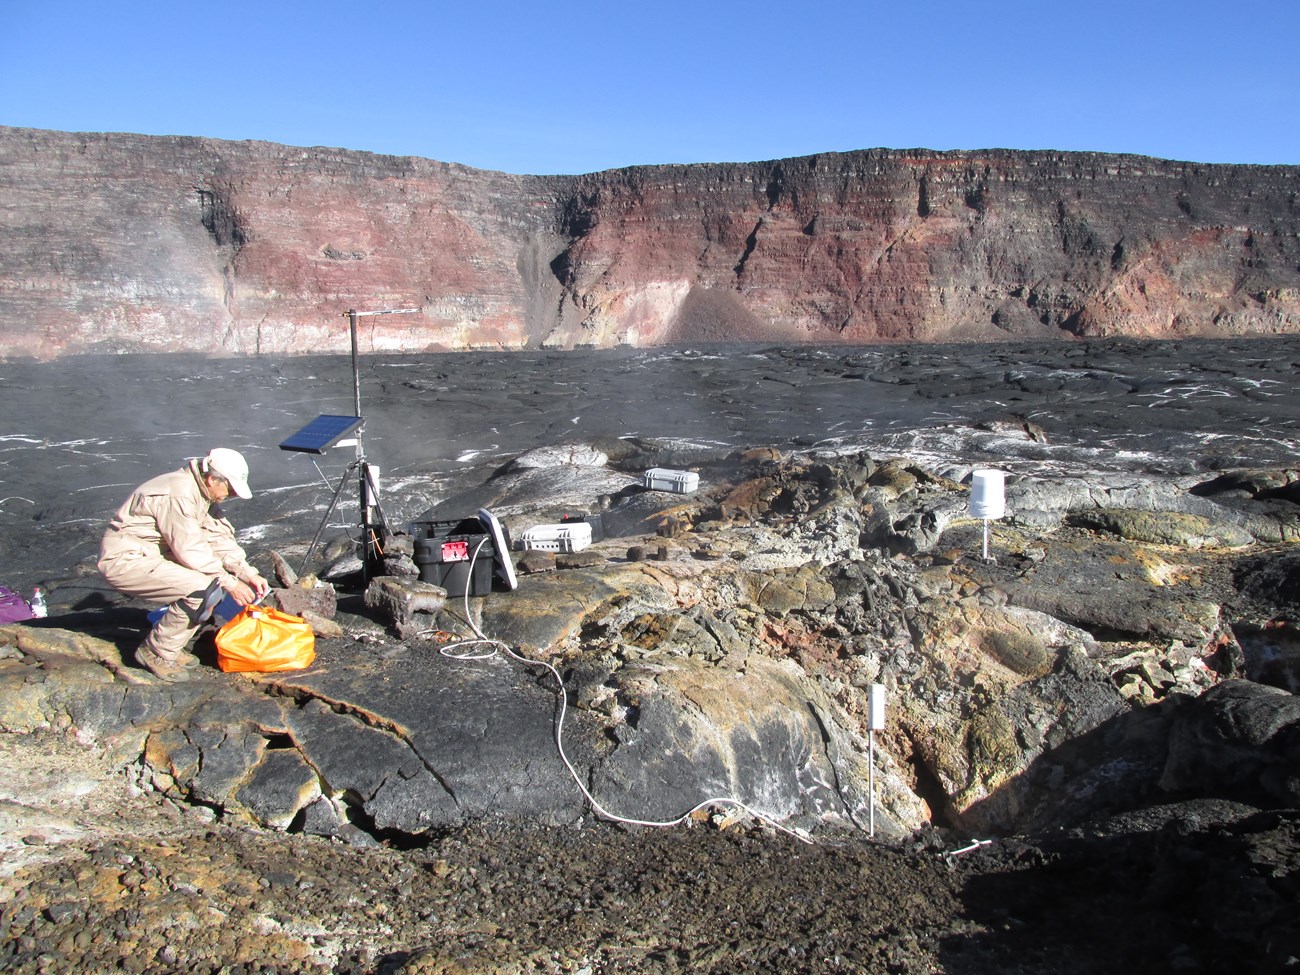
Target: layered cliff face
{"x": 136, "y": 243}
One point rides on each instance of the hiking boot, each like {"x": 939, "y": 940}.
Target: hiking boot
{"x": 183, "y": 657}
{"x": 172, "y": 671}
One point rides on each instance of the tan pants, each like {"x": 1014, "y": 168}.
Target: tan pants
{"x": 154, "y": 578}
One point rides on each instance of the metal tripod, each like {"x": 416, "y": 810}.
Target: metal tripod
{"x": 374, "y": 525}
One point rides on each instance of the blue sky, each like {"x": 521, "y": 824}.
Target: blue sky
{"x": 584, "y": 86}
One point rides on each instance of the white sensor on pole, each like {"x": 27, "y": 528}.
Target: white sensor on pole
{"x": 877, "y": 711}
{"x": 988, "y": 499}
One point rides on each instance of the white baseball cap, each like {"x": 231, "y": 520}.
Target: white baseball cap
{"x": 231, "y": 465}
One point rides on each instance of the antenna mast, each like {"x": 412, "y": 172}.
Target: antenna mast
{"x": 372, "y": 515}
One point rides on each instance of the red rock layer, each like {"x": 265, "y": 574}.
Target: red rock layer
{"x": 137, "y": 243}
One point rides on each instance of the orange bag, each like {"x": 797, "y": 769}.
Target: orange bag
{"x": 262, "y": 639}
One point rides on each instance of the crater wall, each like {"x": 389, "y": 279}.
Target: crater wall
{"x": 115, "y": 242}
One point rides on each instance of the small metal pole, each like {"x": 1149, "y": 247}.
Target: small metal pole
{"x": 871, "y": 814}
{"x": 876, "y": 714}
{"x": 986, "y": 539}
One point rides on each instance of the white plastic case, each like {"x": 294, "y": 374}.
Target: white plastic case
{"x": 663, "y": 479}
{"x": 573, "y": 537}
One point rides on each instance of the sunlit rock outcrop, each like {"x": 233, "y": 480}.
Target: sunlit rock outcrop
{"x": 721, "y": 644}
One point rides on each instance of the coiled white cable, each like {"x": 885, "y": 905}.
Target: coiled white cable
{"x": 499, "y": 646}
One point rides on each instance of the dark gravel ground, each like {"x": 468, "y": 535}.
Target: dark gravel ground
{"x": 157, "y": 889}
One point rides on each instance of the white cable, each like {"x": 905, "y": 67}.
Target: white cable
{"x": 600, "y": 810}
{"x": 967, "y": 849}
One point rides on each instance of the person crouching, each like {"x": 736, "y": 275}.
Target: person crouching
{"x": 170, "y": 543}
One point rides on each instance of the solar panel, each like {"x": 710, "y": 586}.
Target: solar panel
{"x": 321, "y": 433}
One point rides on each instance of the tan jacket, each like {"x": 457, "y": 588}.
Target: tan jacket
{"x": 172, "y": 517}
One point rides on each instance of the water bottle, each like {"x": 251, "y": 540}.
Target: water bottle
{"x": 39, "y": 609}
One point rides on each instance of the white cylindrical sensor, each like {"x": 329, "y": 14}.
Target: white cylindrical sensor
{"x": 372, "y": 486}
{"x": 877, "y": 709}
{"x": 988, "y": 493}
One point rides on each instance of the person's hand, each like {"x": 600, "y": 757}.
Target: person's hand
{"x": 243, "y": 593}
{"x": 259, "y": 585}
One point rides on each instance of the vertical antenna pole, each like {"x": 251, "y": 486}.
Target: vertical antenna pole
{"x": 356, "y": 374}
{"x": 363, "y": 495}
{"x": 372, "y": 515}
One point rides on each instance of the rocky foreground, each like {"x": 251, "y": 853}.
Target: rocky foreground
{"x": 1090, "y": 760}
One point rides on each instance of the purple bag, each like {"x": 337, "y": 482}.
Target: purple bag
{"x": 13, "y": 608}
